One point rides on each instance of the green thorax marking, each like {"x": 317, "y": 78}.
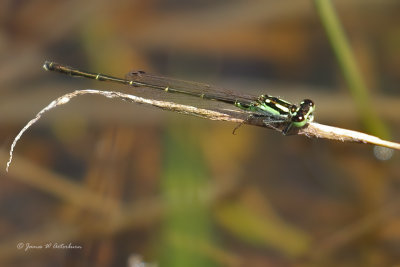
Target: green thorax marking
{"x": 271, "y": 105}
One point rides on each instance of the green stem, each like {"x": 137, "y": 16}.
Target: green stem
{"x": 349, "y": 67}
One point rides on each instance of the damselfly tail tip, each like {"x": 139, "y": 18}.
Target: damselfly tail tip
{"x": 47, "y": 65}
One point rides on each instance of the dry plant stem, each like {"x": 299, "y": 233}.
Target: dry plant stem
{"x": 184, "y": 109}
{"x": 315, "y": 130}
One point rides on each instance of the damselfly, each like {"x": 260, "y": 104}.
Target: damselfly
{"x": 272, "y": 110}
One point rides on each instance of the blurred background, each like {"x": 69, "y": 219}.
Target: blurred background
{"x": 125, "y": 184}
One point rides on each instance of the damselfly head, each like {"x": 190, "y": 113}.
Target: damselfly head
{"x": 304, "y": 113}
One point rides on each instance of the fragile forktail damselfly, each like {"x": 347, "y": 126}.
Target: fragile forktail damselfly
{"x": 271, "y": 109}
